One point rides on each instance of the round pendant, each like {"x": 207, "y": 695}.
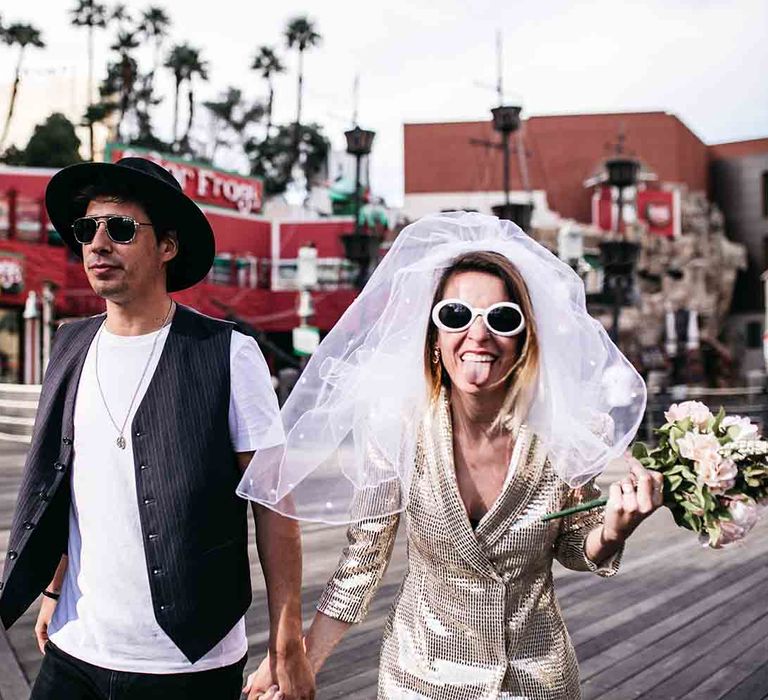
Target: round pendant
{"x": 121, "y": 442}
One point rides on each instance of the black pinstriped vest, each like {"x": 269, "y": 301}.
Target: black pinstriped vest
{"x": 194, "y": 526}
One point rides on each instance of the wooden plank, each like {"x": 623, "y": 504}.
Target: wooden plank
{"x": 711, "y": 675}
{"x": 685, "y": 669}
{"x": 637, "y": 673}
{"x": 671, "y": 606}
{"x": 637, "y": 651}
{"x": 630, "y": 612}
{"x": 753, "y": 686}
{"x": 13, "y": 682}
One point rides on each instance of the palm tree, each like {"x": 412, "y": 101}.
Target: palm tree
{"x": 185, "y": 62}
{"x": 154, "y": 25}
{"x": 125, "y": 73}
{"x": 21, "y": 35}
{"x": 91, "y": 14}
{"x": 121, "y": 16}
{"x": 301, "y": 33}
{"x": 195, "y": 67}
{"x": 268, "y": 63}
{"x": 177, "y": 61}
{"x": 231, "y": 114}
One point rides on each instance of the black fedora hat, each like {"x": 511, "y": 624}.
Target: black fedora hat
{"x": 151, "y": 183}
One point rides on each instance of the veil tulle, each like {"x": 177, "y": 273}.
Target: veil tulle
{"x": 351, "y": 423}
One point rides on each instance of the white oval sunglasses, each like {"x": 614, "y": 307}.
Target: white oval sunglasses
{"x": 504, "y": 318}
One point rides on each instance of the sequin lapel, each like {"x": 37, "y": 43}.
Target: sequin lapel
{"x": 524, "y": 474}
{"x": 525, "y": 471}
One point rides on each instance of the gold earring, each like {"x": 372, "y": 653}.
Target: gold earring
{"x": 436, "y": 355}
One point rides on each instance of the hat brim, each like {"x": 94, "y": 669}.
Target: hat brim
{"x": 197, "y": 246}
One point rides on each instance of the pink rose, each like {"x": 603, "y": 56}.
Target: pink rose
{"x": 747, "y": 430}
{"x": 698, "y": 446}
{"x": 699, "y": 414}
{"x": 717, "y": 474}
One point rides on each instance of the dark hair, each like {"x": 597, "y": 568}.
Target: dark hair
{"x": 122, "y": 193}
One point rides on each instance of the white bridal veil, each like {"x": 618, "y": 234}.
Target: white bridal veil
{"x": 351, "y": 422}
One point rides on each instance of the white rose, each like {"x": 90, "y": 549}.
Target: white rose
{"x": 699, "y": 414}
{"x": 747, "y": 429}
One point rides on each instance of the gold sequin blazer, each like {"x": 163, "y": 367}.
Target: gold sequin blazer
{"x": 476, "y": 616}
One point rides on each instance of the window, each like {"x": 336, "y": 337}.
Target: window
{"x": 754, "y": 334}
{"x": 765, "y": 193}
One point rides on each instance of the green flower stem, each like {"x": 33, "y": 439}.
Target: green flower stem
{"x": 589, "y": 505}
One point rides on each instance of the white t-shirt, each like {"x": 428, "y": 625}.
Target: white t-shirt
{"x": 105, "y": 615}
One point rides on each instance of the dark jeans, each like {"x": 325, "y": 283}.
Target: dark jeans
{"x": 63, "y": 677}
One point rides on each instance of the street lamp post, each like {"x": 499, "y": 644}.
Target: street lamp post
{"x": 619, "y": 256}
{"x": 358, "y": 247}
{"x": 506, "y": 120}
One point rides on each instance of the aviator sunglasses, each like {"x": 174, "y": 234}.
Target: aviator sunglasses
{"x": 454, "y": 315}
{"x": 120, "y": 229}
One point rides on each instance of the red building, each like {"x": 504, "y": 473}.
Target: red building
{"x": 252, "y": 278}
{"x": 561, "y": 153}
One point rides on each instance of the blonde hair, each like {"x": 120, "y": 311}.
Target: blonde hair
{"x": 522, "y": 377}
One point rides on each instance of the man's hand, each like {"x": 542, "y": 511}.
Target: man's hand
{"x": 43, "y": 620}
{"x": 294, "y": 676}
{"x": 286, "y": 677}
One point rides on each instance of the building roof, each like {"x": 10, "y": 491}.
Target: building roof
{"x": 562, "y": 151}
{"x": 738, "y": 149}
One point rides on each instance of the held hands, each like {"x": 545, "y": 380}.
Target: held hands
{"x": 285, "y": 677}
{"x": 631, "y": 500}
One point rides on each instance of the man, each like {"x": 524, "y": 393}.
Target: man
{"x": 148, "y": 416}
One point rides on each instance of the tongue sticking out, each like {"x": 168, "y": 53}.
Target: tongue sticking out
{"x": 476, "y": 372}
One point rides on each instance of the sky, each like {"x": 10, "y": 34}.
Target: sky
{"x": 435, "y": 61}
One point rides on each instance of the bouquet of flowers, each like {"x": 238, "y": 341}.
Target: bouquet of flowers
{"x": 715, "y": 470}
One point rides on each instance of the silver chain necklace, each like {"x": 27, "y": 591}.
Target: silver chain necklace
{"x": 121, "y": 430}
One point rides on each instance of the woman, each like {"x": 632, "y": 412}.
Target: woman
{"x": 476, "y": 616}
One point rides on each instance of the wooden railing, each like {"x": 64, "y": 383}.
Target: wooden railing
{"x": 18, "y": 406}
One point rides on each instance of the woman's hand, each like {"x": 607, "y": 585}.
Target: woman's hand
{"x": 292, "y": 678}
{"x": 260, "y": 681}
{"x": 631, "y": 500}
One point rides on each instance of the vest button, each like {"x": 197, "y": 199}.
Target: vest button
{"x": 43, "y": 494}
{"x": 59, "y": 466}
{"x": 28, "y": 525}
{"x": 148, "y": 501}
{"x": 67, "y": 440}
{"x": 12, "y": 554}
{"x": 143, "y": 467}
{"x": 152, "y": 536}
{"x": 157, "y": 570}
{"x": 138, "y": 433}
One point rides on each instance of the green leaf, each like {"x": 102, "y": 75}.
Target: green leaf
{"x": 674, "y": 435}
{"x": 714, "y": 534}
{"x": 640, "y": 451}
{"x": 675, "y": 481}
{"x": 718, "y": 420}
{"x": 692, "y": 508}
{"x": 688, "y": 473}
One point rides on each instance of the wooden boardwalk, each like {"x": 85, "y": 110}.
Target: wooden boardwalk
{"x": 678, "y": 622}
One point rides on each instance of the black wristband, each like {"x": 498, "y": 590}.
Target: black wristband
{"x": 51, "y": 595}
